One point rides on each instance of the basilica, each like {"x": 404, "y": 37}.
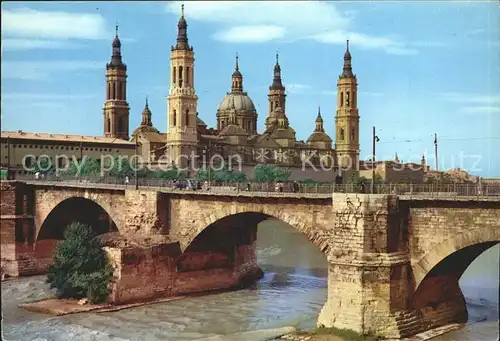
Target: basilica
{"x": 236, "y": 131}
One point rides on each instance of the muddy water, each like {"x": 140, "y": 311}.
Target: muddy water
{"x": 292, "y": 292}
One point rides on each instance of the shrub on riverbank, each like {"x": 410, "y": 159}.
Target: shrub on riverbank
{"x": 80, "y": 268}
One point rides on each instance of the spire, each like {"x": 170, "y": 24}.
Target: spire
{"x": 422, "y": 160}
{"x": 277, "y": 84}
{"x": 319, "y": 122}
{"x": 347, "y": 63}
{"x": 116, "y": 56}
{"x": 237, "y": 82}
{"x": 182, "y": 38}
{"x": 396, "y": 158}
{"x": 146, "y": 115}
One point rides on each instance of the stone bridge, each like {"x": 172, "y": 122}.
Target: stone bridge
{"x": 394, "y": 261}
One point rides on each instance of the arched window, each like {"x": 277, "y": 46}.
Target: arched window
{"x": 353, "y": 133}
{"x": 108, "y": 95}
{"x": 124, "y": 94}
{"x": 342, "y": 134}
{"x": 187, "y": 117}
{"x": 120, "y": 90}
{"x": 272, "y": 106}
{"x": 114, "y": 90}
{"x": 180, "y": 76}
{"x": 174, "y": 118}
{"x": 341, "y": 99}
{"x": 174, "y": 75}
{"x": 354, "y": 99}
{"x": 108, "y": 125}
{"x": 347, "y": 99}
{"x": 187, "y": 76}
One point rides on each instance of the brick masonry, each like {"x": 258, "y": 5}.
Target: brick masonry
{"x": 394, "y": 263}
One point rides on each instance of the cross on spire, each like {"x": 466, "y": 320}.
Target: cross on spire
{"x": 116, "y": 29}
{"x": 182, "y": 10}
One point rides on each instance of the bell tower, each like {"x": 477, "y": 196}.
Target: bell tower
{"x": 116, "y": 108}
{"x": 182, "y": 137}
{"x": 347, "y": 117}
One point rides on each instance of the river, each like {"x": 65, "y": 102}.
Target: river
{"x": 292, "y": 292}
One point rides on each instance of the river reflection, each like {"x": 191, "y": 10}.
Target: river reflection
{"x": 292, "y": 292}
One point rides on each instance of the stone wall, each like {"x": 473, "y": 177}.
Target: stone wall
{"x": 17, "y": 229}
{"x": 440, "y": 228}
{"x": 368, "y": 269}
{"x": 188, "y": 216}
{"x": 132, "y": 211}
{"x": 146, "y": 273}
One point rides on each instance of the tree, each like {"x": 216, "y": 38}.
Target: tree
{"x": 269, "y": 173}
{"x": 44, "y": 166}
{"x": 281, "y": 174}
{"x": 122, "y": 168}
{"x": 80, "y": 268}
{"x": 88, "y": 167}
{"x": 263, "y": 173}
{"x": 169, "y": 174}
{"x": 202, "y": 174}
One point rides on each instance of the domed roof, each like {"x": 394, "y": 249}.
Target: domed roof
{"x": 233, "y": 130}
{"x": 319, "y": 136}
{"x": 237, "y": 101}
{"x": 144, "y": 129}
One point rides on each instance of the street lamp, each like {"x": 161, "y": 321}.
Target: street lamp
{"x": 374, "y": 141}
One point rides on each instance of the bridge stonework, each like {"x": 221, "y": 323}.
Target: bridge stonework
{"x": 393, "y": 262}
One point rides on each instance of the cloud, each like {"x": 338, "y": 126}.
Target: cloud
{"x": 296, "y": 88}
{"x": 285, "y": 21}
{"x": 360, "y": 93}
{"x": 471, "y": 98}
{"x": 29, "y": 44}
{"x": 480, "y": 110}
{"x": 43, "y": 70}
{"x": 474, "y": 103}
{"x": 43, "y": 97}
{"x": 25, "y": 22}
{"x": 250, "y": 34}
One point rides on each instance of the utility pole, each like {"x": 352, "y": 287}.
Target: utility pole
{"x": 374, "y": 140}
{"x": 436, "y": 150}
{"x": 135, "y": 166}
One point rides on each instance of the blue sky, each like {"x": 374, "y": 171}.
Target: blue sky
{"x": 422, "y": 67}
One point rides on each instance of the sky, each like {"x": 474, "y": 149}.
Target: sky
{"x": 423, "y": 67}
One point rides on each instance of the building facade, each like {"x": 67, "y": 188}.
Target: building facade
{"x": 236, "y": 136}
{"x": 188, "y": 142}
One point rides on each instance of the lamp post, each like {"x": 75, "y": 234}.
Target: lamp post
{"x": 375, "y": 139}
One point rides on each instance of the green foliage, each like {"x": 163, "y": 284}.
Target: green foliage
{"x": 224, "y": 174}
{"x": 309, "y": 182}
{"x": 121, "y": 168}
{"x": 80, "y": 268}
{"x": 44, "y": 166}
{"x": 202, "y": 174}
{"x": 269, "y": 173}
{"x": 169, "y": 174}
{"x": 89, "y": 167}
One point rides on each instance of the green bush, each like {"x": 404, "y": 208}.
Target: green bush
{"x": 80, "y": 268}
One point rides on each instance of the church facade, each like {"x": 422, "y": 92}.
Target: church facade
{"x": 236, "y": 136}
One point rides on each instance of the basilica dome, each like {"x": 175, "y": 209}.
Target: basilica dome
{"x": 237, "y": 101}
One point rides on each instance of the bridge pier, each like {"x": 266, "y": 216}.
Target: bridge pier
{"x": 369, "y": 275}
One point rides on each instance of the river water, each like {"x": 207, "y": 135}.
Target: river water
{"x": 291, "y": 293}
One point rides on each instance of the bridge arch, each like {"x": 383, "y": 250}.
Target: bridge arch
{"x": 470, "y": 242}
{"x": 74, "y": 208}
{"x": 257, "y": 214}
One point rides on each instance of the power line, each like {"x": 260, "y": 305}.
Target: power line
{"x": 443, "y": 139}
